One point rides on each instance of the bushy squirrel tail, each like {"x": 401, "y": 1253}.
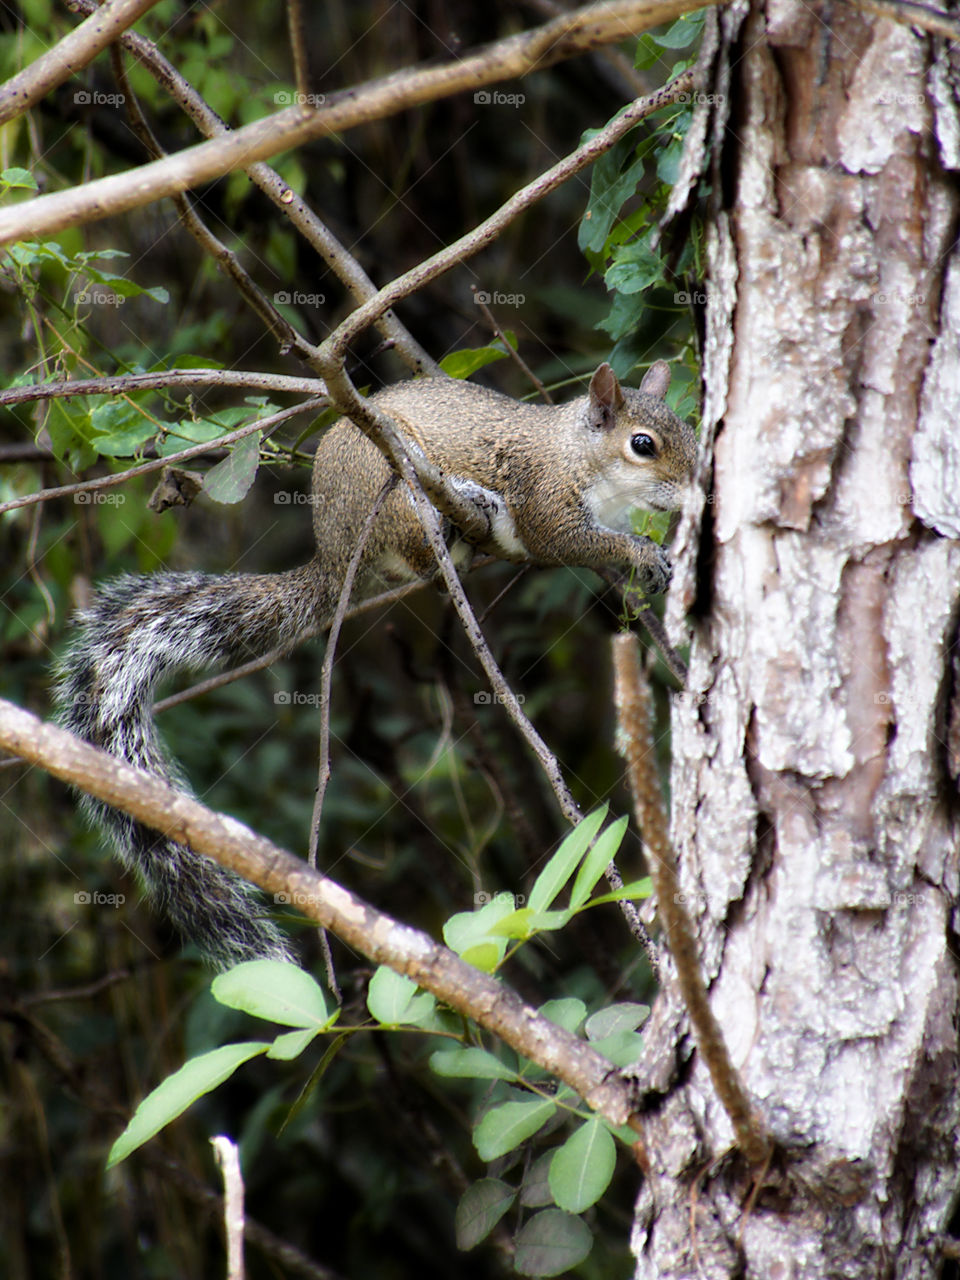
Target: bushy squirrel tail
{"x": 136, "y": 632}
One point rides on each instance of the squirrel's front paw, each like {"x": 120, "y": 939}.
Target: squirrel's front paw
{"x": 654, "y": 570}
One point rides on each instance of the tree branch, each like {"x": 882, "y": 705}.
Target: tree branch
{"x": 69, "y": 55}
{"x": 635, "y": 741}
{"x": 340, "y": 261}
{"x": 157, "y": 464}
{"x": 516, "y": 56}
{"x": 491, "y": 227}
{"x": 379, "y": 937}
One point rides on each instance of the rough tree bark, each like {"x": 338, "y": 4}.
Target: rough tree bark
{"x": 815, "y": 802}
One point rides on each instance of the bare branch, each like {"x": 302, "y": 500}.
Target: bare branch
{"x": 226, "y": 260}
{"x": 156, "y": 464}
{"x": 516, "y": 56}
{"x": 326, "y": 671}
{"x": 514, "y": 355}
{"x": 290, "y": 204}
{"x": 490, "y": 228}
{"x": 69, "y": 55}
{"x": 635, "y": 740}
{"x": 381, "y": 938}
{"x": 123, "y": 382}
{"x": 298, "y": 46}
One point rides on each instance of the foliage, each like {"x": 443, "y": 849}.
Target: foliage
{"x": 580, "y": 1168}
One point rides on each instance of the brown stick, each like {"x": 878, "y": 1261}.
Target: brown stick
{"x": 635, "y": 740}
{"x": 381, "y": 938}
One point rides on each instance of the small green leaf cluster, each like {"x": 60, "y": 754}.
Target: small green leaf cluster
{"x": 619, "y": 232}
{"x": 521, "y": 1103}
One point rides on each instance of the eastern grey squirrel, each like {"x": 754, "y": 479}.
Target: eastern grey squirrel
{"x": 565, "y": 479}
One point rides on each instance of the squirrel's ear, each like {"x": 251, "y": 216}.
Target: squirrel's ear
{"x": 606, "y": 398}
{"x": 656, "y": 379}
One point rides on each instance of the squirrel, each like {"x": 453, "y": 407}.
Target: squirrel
{"x": 563, "y": 479}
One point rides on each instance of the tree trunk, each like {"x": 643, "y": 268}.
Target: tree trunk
{"x": 815, "y": 805}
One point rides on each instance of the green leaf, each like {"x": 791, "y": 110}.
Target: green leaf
{"x": 316, "y": 1075}
{"x": 19, "y": 178}
{"x": 389, "y": 996}
{"x": 582, "y": 1168}
{"x": 597, "y": 860}
{"x": 535, "y": 1189}
{"x": 120, "y": 428}
{"x": 635, "y": 890}
{"x": 626, "y": 1016}
{"x": 230, "y": 480}
{"x": 623, "y": 1048}
{"x": 514, "y": 925}
{"x": 480, "y": 1209}
{"x": 464, "y": 363}
{"x": 568, "y": 1012}
{"x": 274, "y": 990}
{"x": 550, "y": 1243}
{"x": 635, "y": 267}
{"x": 506, "y": 1126}
{"x": 290, "y": 1044}
{"x": 561, "y": 866}
{"x": 171, "y": 1098}
{"x": 485, "y": 956}
{"x": 68, "y": 424}
{"x": 470, "y": 1063}
{"x": 614, "y": 180}
{"x": 683, "y": 32}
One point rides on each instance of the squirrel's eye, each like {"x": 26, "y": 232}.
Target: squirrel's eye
{"x": 643, "y": 445}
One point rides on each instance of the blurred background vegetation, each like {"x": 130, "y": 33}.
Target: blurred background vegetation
{"x": 433, "y": 799}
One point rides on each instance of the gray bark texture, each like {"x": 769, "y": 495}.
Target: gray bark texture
{"x": 815, "y": 800}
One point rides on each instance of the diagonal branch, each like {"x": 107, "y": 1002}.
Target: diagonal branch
{"x": 582, "y": 29}
{"x": 69, "y": 55}
{"x": 381, "y": 938}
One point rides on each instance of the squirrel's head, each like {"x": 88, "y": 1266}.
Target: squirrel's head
{"x": 643, "y": 453}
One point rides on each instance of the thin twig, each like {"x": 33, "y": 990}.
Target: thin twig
{"x": 287, "y": 201}
{"x": 226, "y": 260}
{"x": 120, "y": 383}
{"x": 635, "y": 742}
{"x": 298, "y": 48}
{"x": 486, "y": 231}
{"x": 155, "y": 464}
{"x": 512, "y": 57}
{"x": 70, "y": 55}
{"x": 511, "y": 350}
{"x": 654, "y": 627}
{"x": 228, "y": 1159}
{"x": 326, "y": 671}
